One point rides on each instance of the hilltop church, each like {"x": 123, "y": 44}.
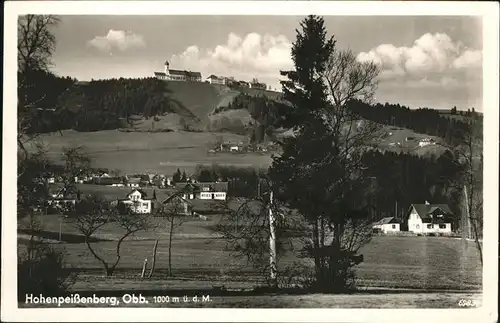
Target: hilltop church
{"x": 178, "y": 75}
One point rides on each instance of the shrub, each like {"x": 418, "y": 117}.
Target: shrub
{"x": 43, "y": 273}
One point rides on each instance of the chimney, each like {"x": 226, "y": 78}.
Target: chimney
{"x": 427, "y": 203}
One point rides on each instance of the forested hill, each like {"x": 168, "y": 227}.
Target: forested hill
{"x": 108, "y": 104}
{"x": 424, "y": 120}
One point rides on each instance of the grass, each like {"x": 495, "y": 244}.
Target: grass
{"x": 138, "y": 152}
{"x": 200, "y": 260}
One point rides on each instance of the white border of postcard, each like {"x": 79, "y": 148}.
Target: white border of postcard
{"x": 487, "y": 10}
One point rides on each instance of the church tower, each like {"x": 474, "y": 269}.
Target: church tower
{"x": 167, "y": 65}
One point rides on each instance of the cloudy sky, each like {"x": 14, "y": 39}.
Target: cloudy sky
{"x": 431, "y": 62}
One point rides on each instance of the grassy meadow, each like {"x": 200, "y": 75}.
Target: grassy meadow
{"x": 200, "y": 259}
{"x": 161, "y": 152}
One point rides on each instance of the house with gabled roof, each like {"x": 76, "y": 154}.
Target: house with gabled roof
{"x": 137, "y": 202}
{"x": 430, "y": 218}
{"x": 214, "y": 79}
{"x": 204, "y": 190}
{"x": 386, "y": 225}
{"x": 63, "y": 198}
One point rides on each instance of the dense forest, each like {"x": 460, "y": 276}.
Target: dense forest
{"x": 96, "y": 105}
{"x": 266, "y": 112}
{"x": 424, "y": 120}
{"x": 400, "y": 177}
{"x": 111, "y": 104}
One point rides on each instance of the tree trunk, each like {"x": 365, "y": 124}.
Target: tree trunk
{"x": 154, "y": 259}
{"x": 316, "y": 250}
{"x": 272, "y": 244}
{"x": 144, "y": 266}
{"x": 170, "y": 246}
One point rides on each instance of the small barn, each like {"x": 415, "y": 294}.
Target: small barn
{"x": 386, "y": 225}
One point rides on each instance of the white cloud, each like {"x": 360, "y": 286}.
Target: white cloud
{"x": 248, "y": 56}
{"x": 430, "y": 54}
{"x": 117, "y": 39}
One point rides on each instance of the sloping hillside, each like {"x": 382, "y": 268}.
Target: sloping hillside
{"x": 197, "y": 98}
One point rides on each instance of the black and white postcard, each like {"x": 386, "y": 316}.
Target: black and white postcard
{"x": 251, "y": 161}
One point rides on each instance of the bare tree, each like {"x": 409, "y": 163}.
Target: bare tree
{"x": 93, "y": 212}
{"x": 174, "y": 211}
{"x": 469, "y": 155}
{"x": 35, "y": 46}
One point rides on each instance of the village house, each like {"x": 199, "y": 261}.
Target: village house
{"x": 426, "y": 141}
{"x": 178, "y": 75}
{"x": 62, "y": 199}
{"x": 387, "y": 225}
{"x": 257, "y": 85}
{"x": 204, "y": 191}
{"x": 137, "y": 202}
{"x": 138, "y": 180}
{"x": 214, "y": 79}
{"x": 109, "y": 181}
{"x": 429, "y": 218}
{"x": 187, "y": 207}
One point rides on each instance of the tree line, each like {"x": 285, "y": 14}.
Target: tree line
{"x": 98, "y": 104}
{"x": 265, "y": 111}
{"x": 423, "y": 120}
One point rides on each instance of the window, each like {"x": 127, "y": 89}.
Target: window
{"x": 418, "y": 226}
{"x": 442, "y": 226}
{"x": 429, "y": 226}
{"x": 394, "y": 226}
{"x": 144, "y": 204}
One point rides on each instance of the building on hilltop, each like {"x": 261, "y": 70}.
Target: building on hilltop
{"x": 257, "y": 85}
{"x": 214, "y": 79}
{"x": 177, "y": 75}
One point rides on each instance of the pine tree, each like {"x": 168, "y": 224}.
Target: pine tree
{"x": 176, "y": 178}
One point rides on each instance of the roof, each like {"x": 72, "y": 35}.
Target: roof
{"x": 113, "y": 193}
{"x": 186, "y": 73}
{"x": 133, "y": 180}
{"x": 214, "y": 186}
{"x": 215, "y": 77}
{"x": 59, "y": 192}
{"x": 160, "y": 74}
{"x": 142, "y": 192}
{"x": 108, "y": 180}
{"x": 386, "y": 220}
{"x": 425, "y": 210}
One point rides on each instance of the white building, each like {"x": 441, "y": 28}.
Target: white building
{"x": 426, "y": 141}
{"x": 214, "y": 79}
{"x": 204, "y": 191}
{"x": 429, "y": 218}
{"x": 386, "y": 225}
{"x": 136, "y": 202}
{"x": 178, "y": 75}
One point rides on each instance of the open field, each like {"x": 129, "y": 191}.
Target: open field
{"x": 150, "y": 152}
{"x": 200, "y": 260}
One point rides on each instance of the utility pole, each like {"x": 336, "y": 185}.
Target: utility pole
{"x": 272, "y": 242}
{"x": 469, "y": 233}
